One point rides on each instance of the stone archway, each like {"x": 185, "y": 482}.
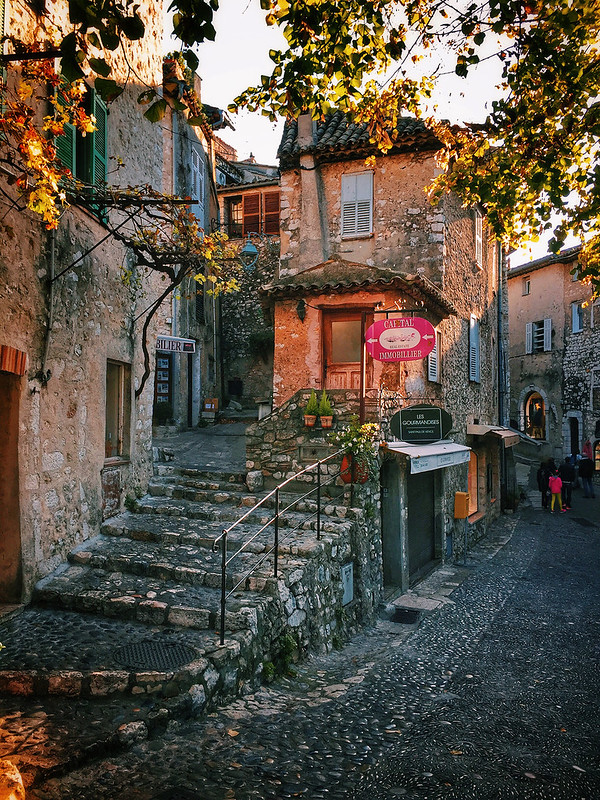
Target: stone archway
{"x": 533, "y": 412}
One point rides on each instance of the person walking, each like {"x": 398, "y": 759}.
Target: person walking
{"x": 566, "y": 472}
{"x": 587, "y": 449}
{"x": 543, "y": 474}
{"x": 555, "y": 485}
{"x": 586, "y": 473}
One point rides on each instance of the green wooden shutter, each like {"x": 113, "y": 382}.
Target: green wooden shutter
{"x": 99, "y": 142}
{"x": 66, "y": 150}
{"x": 2, "y": 21}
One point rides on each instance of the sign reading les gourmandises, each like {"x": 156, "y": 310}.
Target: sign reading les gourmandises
{"x": 421, "y": 424}
{"x": 402, "y": 339}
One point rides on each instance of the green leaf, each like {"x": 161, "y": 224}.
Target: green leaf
{"x": 146, "y": 97}
{"x": 156, "y": 111}
{"x": 133, "y": 27}
{"x": 191, "y": 59}
{"x": 108, "y": 90}
{"x": 197, "y": 121}
{"x": 100, "y": 66}
{"x": 110, "y": 39}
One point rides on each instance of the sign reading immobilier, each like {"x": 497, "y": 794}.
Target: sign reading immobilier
{"x": 400, "y": 339}
{"x": 173, "y": 344}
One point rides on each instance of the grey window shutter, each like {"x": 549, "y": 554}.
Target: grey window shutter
{"x": 529, "y": 337}
{"x": 433, "y": 367}
{"x": 547, "y": 334}
{"x": 474, "y": 355}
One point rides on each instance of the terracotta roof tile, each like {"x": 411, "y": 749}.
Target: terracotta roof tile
{"x": 339, "y": 276}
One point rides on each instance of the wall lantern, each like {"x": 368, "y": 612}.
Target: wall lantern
{"x": 301, "y": 309}
{"x": 248, "y": 255}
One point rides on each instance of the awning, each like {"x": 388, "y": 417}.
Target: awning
{"x": 508, "y": 436}
{"x": 426, "y": 457}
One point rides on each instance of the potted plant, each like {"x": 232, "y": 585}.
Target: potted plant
{"x": 312, "y": 410}
{"x": 325, "y": 411}
{"x": 360, "y": 460}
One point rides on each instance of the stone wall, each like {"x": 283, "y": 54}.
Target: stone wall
{"x": 70, "y": 325}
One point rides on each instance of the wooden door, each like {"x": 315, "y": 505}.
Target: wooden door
{"x": 10, "y": 533}
{"x": 343, "y": 358}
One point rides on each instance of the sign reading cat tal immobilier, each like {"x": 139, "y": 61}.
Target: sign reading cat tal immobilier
{"x": 402, "y": 339}
{"x": 173, "y": 344}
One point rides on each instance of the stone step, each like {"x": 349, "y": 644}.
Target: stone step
{"x": 199, "y": 484}
{"x": 222, "y": 478}
{"x": 175, "y": 488}
{"x": 146, "y": 599}
{"x": 198, "y": 533}
{"x": 226, "y": 514}
{"x": 181, "y": 563}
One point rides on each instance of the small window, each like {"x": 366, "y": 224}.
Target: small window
{"x": 434, "y": 361}
{"x": 576, "y": 317}
{"x": 474, "y": 350}
{"x": 478, "y": 238}
{"x": 118, "y": 409}
{"x": 233, "y": 217}
{"x": 597, "y": 456}
{"x": 526, "y": 286}
{"x": 538, "y": 336}
{"x": 357, "y": 204}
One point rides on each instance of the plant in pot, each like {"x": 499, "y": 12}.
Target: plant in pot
{"x": 360, "y": 461}
{"x": 325, "y": 411}
{"x": 312, "y": 410}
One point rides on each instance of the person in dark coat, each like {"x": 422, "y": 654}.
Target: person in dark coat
{"x": 543, "y": 474}
{"x": 586, "y": 473}
{"x": 566, "y": 472}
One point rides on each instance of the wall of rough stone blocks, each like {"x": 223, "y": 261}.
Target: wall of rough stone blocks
{"x": 69, "y": 327}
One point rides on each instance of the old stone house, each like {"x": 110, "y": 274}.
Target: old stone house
{"x": 361, "y": 244}
{"x": 554, "y": 357}
{"x": 75, "y": 439}
{"x": 249, "y": 215}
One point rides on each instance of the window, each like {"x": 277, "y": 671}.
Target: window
{"x": 86, "y": 156}
{"x": 478, "y": 238}
{"x": 595, "y": 314}
{"x": 254, "y": 212}
{"x": 526, "y": 286}
{"x": 576, "y": 317}
{"x": 434, "y": 361}
{"x": 197, "y": 187}
{"x": 595, "y": 389}
{"x": 538, "y": 336}
{"x": 473, "y": 483}
{"x": 357, "y": 204}
{"x": 474, "y": 350}
{"x": 118, "y": 409}
{"x": 597, "y": 456}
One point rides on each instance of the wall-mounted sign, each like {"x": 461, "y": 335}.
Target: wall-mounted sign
{"x": 402, "y": 339}
{"x": 421, "y": 424}
{"x": 173, "y": 344}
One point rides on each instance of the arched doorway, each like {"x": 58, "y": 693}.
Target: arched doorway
{"x": 535, "y": 416}
{"x": 574, "y": 435}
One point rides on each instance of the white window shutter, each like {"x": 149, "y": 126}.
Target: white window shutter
{"x": 433, "y": 367}
{"x": 474, "y": 352}
{"x": 478, "y": 238}
{"x": 547, "y": 334}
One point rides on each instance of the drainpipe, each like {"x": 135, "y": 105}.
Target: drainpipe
{"x": 503, "y": 376}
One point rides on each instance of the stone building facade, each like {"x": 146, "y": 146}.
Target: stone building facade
{"x": 249, "y": 212}
{"x": 554, "y": 357}
{"x": 76, "y": 440}
{"x": 361, "y": 244}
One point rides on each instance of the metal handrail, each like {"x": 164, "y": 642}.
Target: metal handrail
{"x": 274, "y": 520}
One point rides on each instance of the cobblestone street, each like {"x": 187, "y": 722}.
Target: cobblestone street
{"x": 494, "y": 695}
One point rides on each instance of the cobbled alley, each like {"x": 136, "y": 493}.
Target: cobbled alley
{"x": 493, "y": 695}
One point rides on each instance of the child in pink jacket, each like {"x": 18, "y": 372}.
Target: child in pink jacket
{"x": 555, "y": 486}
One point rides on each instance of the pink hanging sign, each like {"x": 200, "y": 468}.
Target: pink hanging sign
{"x": 403, "y": 339}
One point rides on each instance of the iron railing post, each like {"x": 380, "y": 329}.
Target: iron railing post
{"x": 276, "y": 521}
{"x": 223, "y": 582}
{"x": 318, "y": 500}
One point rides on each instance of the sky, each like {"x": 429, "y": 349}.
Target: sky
{"x": 239, "y": 56}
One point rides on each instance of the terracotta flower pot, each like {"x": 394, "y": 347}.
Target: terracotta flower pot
{"x": 310, "y": 420}
{"x": 353, "y": 473}
{"x": 327, "y": 421}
